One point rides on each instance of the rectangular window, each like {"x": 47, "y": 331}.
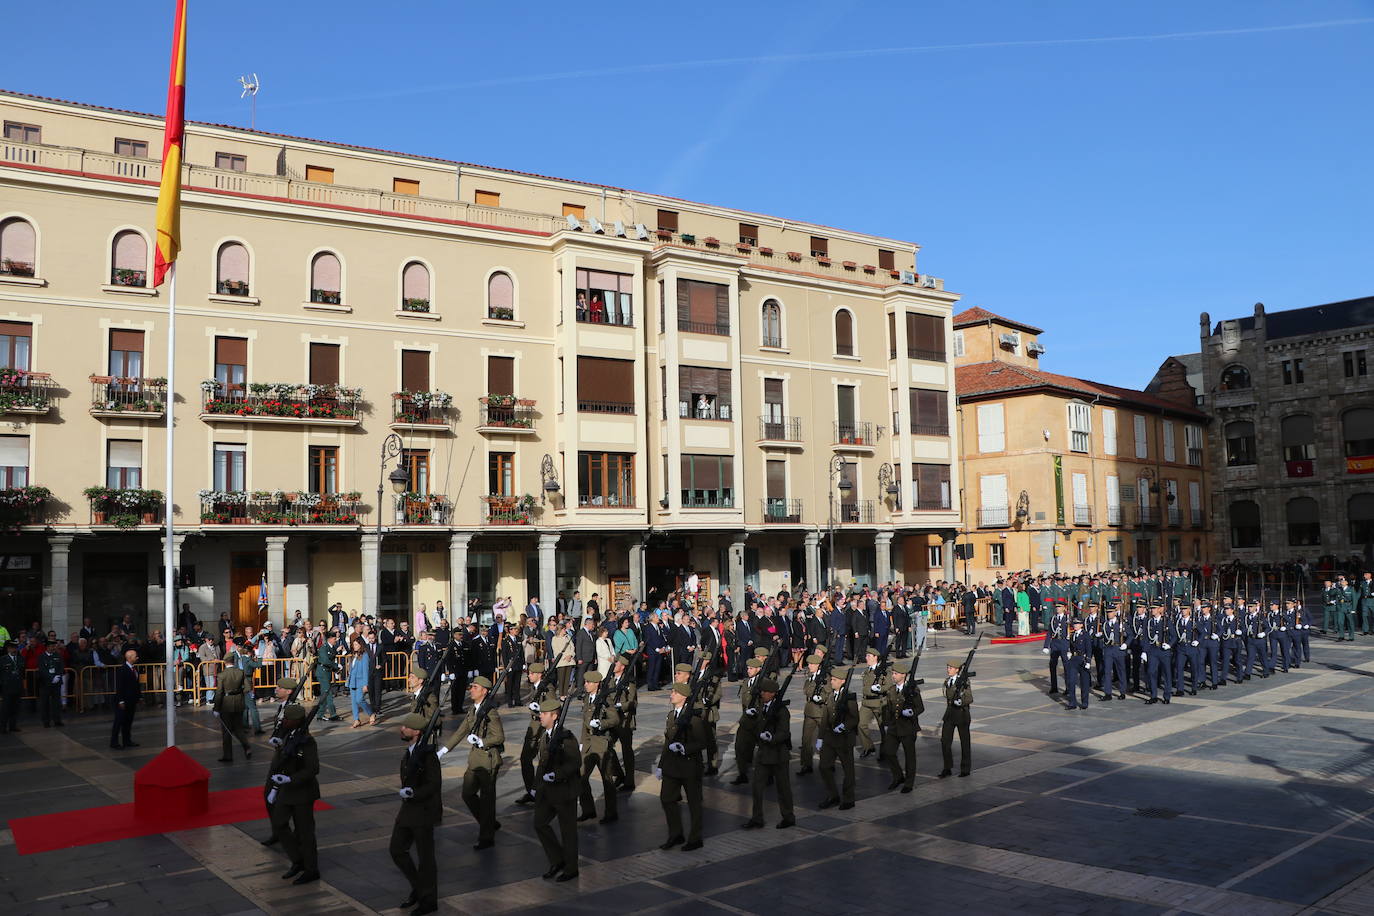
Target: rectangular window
{"x": 126, "y": 353}
{"x": 1192, "y": 439}
{"x": 414, "y": 370}
{"x": 605, "y": 479}
{"x": 930, "y": 486}
{"x": 501, "y": 474}
{"x": 14, "y": 461}
{"x": 708, "y": 481}
{"x": 231, "y": 463}
{"x": 958, "y": 344}
{"x": 892, "y": 335}
{"x": 415, "y": 462}
{"x": 997, "y": 555}
{"x": 16, "y": 343}
{"x": 605, "y": 298}
{"x": 667, "y": 220}
{"x": 748, "y": 233}
{"x": 1114, "y": 553}
{"x": 23, "y": 133}
{"x": 1108, "y": 431}
{"x": 1195, "y": 503}
{"x": 1080, "y": 427}
{"x": 138, "y": 149}
{"x": 929, "y": 412}
{"x": 887, "y": 260}
{"x": 1356, "y": 363}
{"x": 407, "y": 186}
{"x": 1082, "y": 553}
{"x": 324, "y": 364}
{"x": 820, "y": 248}
{"x": 925, "y": 337}
{"x": 1082, "y": 511}
{"x": 231, "y": 366}
{"x": 324, "y": 469}
{"x": 487, "y": 198}
{"x": 663, "y": 392}
{"x": 605, "y": 385}
{"x": 703, "y": 308}
{"x": 991, "y": 434}
{"x": 319, "y": 174}
{"x": 578, "y": 211}
{"x": 662, "y": 309}
{"x": 704, "y": 394}
{"x": 1142, "y": 444}
{"x": 1113, "y": 499}
{"x": 1292, "y": 371}
{"x": 935, "y": 556}
{"x": 994, "y": 510}
{"x": 1169, "y": 452}
{"x": 501, "y": 375}
{"x": 1175, "y": 550}
{"x": 124, "y": 464}
{"x": 231, "y": 162}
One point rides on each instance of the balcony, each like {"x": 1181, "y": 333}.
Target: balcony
{"x": 1175, "y": 516}
{"x": 703, "y": 327}
{"x": 773, "y": 343}
{"x": 1195, "y": 519}
{"x": 275, "y": 507}
{"x": 23, "y": 506}
{"x": 1241, "y": 397}
{"x": 932, "y": 356}
{"x": 501, "y": 509}
{"x": 853, "y": 437}
{"x": 508, "y": 415}
{"x": 232, "y": 288}
{"x": 423, "y": 509}
{"x": 707, "y": 499}
{"x": 779, "y": 511}
{"x": 994, "y": 517}
{"x": 1114, "y": 515}
{"x": 430, "y": 411}
{"x": 780, "y": 432}
{"x": 1149, "y": 517}
{"x": 930, "y": 429}
{"x": 620, "y": 407}
{"x": 24, "y": 392}
{"x": 1082, "y": 515}
{"x": 608, "y": 501}
{"x": 124, "y": 276}
{"x": 124, "y": 507}
{"x": 281, "y": 402}
{"x": 133, "y": 398}
{"x": 859, "y": 512}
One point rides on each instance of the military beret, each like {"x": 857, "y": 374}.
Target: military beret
{"x": 294, "y": 712}
{"x": 815, "y": 659}
{"x": 754, "y": 663}
{"x": 767, "y": 685}
{"x": 761, "y": 653}
{"x": 417, "y": 672}
{"x": 681, "y": 690}
{"x": 415, "y": 722}
{"x": 622, "y": 660}
{"x": 481, "y": 681}
{"x": 592, "y": 677}
{"x": 683, "y": 668}
{"x": 550, "y": 705}
{"x": 287, "y": 683}
{"x": 536, "y": 668}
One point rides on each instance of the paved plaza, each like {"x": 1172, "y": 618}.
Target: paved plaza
{"x": 1252, "y": 799}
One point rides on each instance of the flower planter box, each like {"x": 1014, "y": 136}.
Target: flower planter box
{"x": 794, "y": 255}
{"x": 97, "y": 518}
{"x": 765, "y": 251}
{"x": 150, "y": 518}
{"x": 711, "y": 242}
{"x": 239, "y": 520}
{"x": 688, "y": 238}
{"x": 664, "y": 234}
{"x": 744, "y": 247}
{"x": 823, "y": 261}
{"x": 869, "y": 269}
{"x": 850, "y": 265}
{"x": 858, "y": 440}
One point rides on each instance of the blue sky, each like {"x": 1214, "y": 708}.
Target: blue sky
{"x": 1106, "y": 170}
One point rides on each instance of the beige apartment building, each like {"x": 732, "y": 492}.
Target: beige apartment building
{"x": 1062, "y": 474}
{"x": 400, "y": 380}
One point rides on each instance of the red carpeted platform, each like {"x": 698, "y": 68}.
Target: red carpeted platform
{"x": 1018, "y": 640}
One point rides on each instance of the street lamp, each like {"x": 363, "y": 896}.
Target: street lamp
{"x": 400, "y": 480}
{"x": 548, "y": 479}
{"x": 886, "y": 485}
{"x": 837, "y": 465}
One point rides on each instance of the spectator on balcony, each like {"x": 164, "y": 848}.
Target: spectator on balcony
{"x": 706, "y": 407}
{"x": 581, "y": 307}
{"x": 598, "y": 309}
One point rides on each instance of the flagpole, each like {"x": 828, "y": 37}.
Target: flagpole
{"x": 169, "y": 571}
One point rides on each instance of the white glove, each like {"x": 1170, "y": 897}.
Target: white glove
{"x": 579, "y": 748}
{"x": 475, "y": 741}
{"x": 815, "y": 698}
{"x": 1167, "y": 647}
{"x": 766, "y": 736}
{"x": 274, "y": 741}
{"x": 57, "y": 679}
{"x": 658, "y": 773}
{"x": 751, "y": 711}
{"x": 272, "y": 797}
{"x": 1046, "y": 650}
{"x": 1195, "y": 644}
{"x": 838, "y": 729}
{"x": 216, "y": 713}
{"x": 958, "y": 702}
{"x": 876, "y": 688}
{"x": 678, "y": 747}
{"x": 439, "y": 754}
{"x": 1123, "y": 647}
{"x": 818, "y": 744}
{"x": 1143, "y": 656}
{"x": 407, "y": 792}
{"x": 595, "y": 723}
{"x": 549, "y": 777}
{"x": 281, "y": 779}
{"x": 534, "y": 707}
{"x": 617, "y": 706}
{"x": 472, "y": 674}
{"x": 908, "y": 713}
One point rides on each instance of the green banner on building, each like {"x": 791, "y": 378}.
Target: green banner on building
{"x": 1059, "y": 490}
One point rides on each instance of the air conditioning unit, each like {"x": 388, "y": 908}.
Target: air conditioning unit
{"x": 641, "y": 231}
{"x": 928, "y": 281}
{"x": 596, "y": 225}
{"x": 1008, "y": 340}
{"x": 619, "y": 229}
{"x": 574, "y": 223}
{"x": 1035, "y": 349}
{"x": 909, "y": 277}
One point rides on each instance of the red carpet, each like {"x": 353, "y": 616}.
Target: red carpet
{"x": 1018, "y": 640}
{"x": 46, "y": 832}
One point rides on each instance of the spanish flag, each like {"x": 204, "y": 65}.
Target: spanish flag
{"x": 173, "y": 135}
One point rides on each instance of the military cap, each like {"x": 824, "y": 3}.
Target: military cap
{"x": 415, "y": 722}
{"x": 622, "y": 660}
{"x": 681, "y": 690}
{"x": 955, "y": 663}
{"x": 815, "y": 659}
{"x": 762, "y": 653}
{"x": 481, "y": 681}
{"x": 755, "y": 662}
{"x": 592, "y": 677}
{"x": 294, "y": 712}
{"x": 902, "y": 667}
{"x": 874, "y": 651}
{"x": 767, "y": 685}
{"x": 536, "y": 668}
{"x": 287, "y": 683}
{"x": 1078, "y": 621}
{"x": 417, "y": 672}
{"x": 9, "y": 644}
{"x": 550, "y": 705}
{"x": 840, "y": 673}
{"x": 683, "y": 668}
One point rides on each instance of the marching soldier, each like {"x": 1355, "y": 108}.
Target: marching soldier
{"x": 1135, "y": 654}
{"x": 1347, "y": 599}
{"x": 559, "y": 768}
{"x": 326, "y": 666}
{"x": 709, "y": 696}
{"x": 747, "y": 733}
{"x": 1078, "y": 673}
{"x": 1257, "y": 641}
{"x": 421, "y": 811}
{"x": 1187, "y": 651}
{"x": 679, "y": 769}
{"x": 625, "y": 695}
{"x": 814, "y": 690}
{"x": 542, "y": 688}
{"x": 1092, "y": 625}
{"x": 1157, "y": 644}
{"x": 1232, "y": 633}
{"x": 957, "y": 717}
{"x": 597, "y": 755}
{"x": 836, "y": 742}
{"x": 293, "y": 786}
{"x": 228, "y": 709}
{"x": 1366, "y": 591}
{"x": 1209, "y": 634}
{"x": 1115, "y": 646}
{"x": 1298, "y": 630}
{"x": 773, "y": 754}
{"x": 1057, "y": 648}
{"x": 415, "y": 685}
{"x": 487, "y": 739}
{"x": 873, "y": 706}
{"x": 1278, "y": 636}
{"x": 905, "y": 707}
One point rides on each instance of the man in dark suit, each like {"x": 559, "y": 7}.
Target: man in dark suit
{"x": 863, "y": 629}
{"x": 744, "y": 642}
{"x": 725, "y": 604}
{"x": 882, "y": 628}
{"x": 127, "y": 694}
{"x": 839, "y": 632}
{"x": 584, "y": 649}
{"x": 654, "y": 646}
{"x": 1007, "y": 600}
{"x": 1033, "y": 592}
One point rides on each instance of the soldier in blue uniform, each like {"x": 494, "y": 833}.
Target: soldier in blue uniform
{"x": 1057, "y": 648}
{"x": 1278, "y": 637}
{"x": 1135, "y": 654}
{"x": 1077, "y": 672}
{"x": 1231, "y": 629}
{"x": 1092, "y": 625}
{"x": 1157, "y": 644}
{"x": 1257, "y": 641}
{"x": 1115, "y": 645}
{"x": 1301, "y": 630}
{"x": 1209, "y": 634}
{"x": 1187, "y": 647}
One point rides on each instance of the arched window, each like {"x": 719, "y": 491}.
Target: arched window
{"x": 772, "y": 323}
{"x": 231, "y": 278}
{"x": 129, "y": 259}
{"x": 18, "y": 248}
{"x": 326, "y": 278}
{"x": 415, "y": 292}
{"x": 1299, "y": 438}
{"x": 1360, "y": 511}
{"x": 1304, "y": 522}
{"x": 1245, "y": 524}
{"x": 844, "y": 333}
{"x": 1235, "y": 378}
{"x": 1358, "y": 429}
{"x": 501, "y": 296}
{"x": 1240, "y": 443}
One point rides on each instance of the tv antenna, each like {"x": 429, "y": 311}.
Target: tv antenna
{"x": 251, "y": 85}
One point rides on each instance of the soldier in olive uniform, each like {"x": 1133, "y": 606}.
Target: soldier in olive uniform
{"x": 625, "y": 699}
{"x": 228, "y": 709}
{"x": 873, "y": 702}
{"x": 487, "y": 739}
{"x": 326, "y": 666}
{"x": 957, "y": 703}
{"x": 679, "y": 768}
{"x": 422, "y": 809}
{"x": 747, "y": 732}
{"x": 541, "y": 688}
{"x": 50, "y": 673}
{"x": 836, "y": 742}
{"x": 597, "y": 755}
{"x": 1346, "y": 601}
{"x": 709, "y": 695}
{"x": 1366, "y": 592}
{"x": 11, "y": 687}
{"x": 1331, "y": 597}
{"x": 415, "y": 685}
{"x": 559, "y": 767}
{"x": 814, "y": 690}
{"x": 772, "y": 755}
{"x": 904, "y": 709}
{"x": 293, "y": 785}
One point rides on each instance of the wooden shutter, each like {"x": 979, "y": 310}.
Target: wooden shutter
{"x": 600, "y": 379}
{"x": 231, "y": 351}
{"x": 991, "y": 434}
{"x": 886, "y": 261}
{"x": 703, "y": 303}
{"x": 724, "y": 407}
{"x": 722, "y": 307}
{"x": 925, "y": 333}
{"x": 772, "y": 391}
{"x": 129, "y": 341}
{"x": 706, "y": 475}
{"x": 324, "y": 364}
{"x": 414, "y": 370}
{"x": 929, "y": 409}
{"x": 749, "y": 232}
{"x": 319, "y": 174}
{"x": 928, "y": 484}
{"x": 487, "y": 198}
{"x": 844, "y": 332}
{"x": 684, "y": 300}
{"x": 776, "y": 479}
{"x": 405, "y": 186}
{"x": 819, "y": 246}
{"x": 667, "y": 219}
{"x": 501, "y": 375}
{"x": 892, "y": 334}
{"x": 992, "y": 490}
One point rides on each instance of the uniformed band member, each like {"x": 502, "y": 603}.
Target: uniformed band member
{"x": 873, "y": 704}
{"x": 542, "y": 688}
{"x": 747, "y": 733}
{"x": 421, "y": 811}
{"x": 679, "y": 769}
{"x": 597, "y": 755}
{"x": 293, "y": 787}
{"x": 957, "y": 704}
{"x": 228, "y": 710}
{"x": 772, "y": 756}
{"x": 836, "y": 740}
{"x": 904, "y": 710}
{"x": 814, "y": 690}
{"x": 487, "y": 740}
{"x": 559, "y": 767}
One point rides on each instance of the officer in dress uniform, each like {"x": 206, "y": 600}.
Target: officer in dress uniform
{"x": 50, "y": 673}
{"x": 1209, "y": 634}
{"x": 541, "y": 688}
{"x": 873, "y": 705}
{"x": 957, "y": 718}
{"x": 1231, "y": 629}
{"x": 1331, "y": 598}
{"x": 1135, "y": 654}
{"x": 1278, "y": 636}
{"x": 1157, "y": 645}
{"x": 904, "y": 709}
{"x": 293, "y": 785}
{"x": 679, "y": 770}
{"x": 326, "y": 666}
{"x": 1187, "y": 651}
{"x": 228, "y": 710}
{"x": 772, "y": 756}
{"x": 1257, "y": 641}
{"x": 597, "y": 755}
{"x": 1079, "y": 671}
{"x": 1092, "y": 625}
{"x": 813, "y": 688}
{"x": 1115, "y": 646}
{"x": 839, "y": 722}
{"x": 1298, "y": 630}
{"x": 1057, "y": 648}
{"x": 709, "y": 697}
{"x": 421, "y": 811}
{"x": 1346, "y": 600}
{"x": 559, "y": 783}
{"x": 487, "y": 740}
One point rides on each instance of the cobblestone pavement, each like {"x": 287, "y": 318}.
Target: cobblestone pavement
{"x": 1253, "y": 799}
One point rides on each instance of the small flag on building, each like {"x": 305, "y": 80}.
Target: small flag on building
{"x": 1301, "y": 468}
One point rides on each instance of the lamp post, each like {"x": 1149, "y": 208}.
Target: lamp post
{"x": 400, "y": 480}
{"x": 548, "y": 479}
{"x": 836, "y": 473}
{"x": 886, "y": 485}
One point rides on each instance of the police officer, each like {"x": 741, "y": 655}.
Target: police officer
{"x": 873, "y": 705}
{"x": 326, "y": 666}
{"x": 293, "y": 786}
{"x": 50, "y": 674}
{"x": 1157, "y": 643}
{"x": 421, "y": 811}
{"x": 1257, "y": 641}
{"x": 487, "y": 739}
{"x": 1135, "y": 654}
{"x": 679, "y": 769}
{"x": 597, "y": 755}
{"x": 1209, "y": 634}
{"x": 1231, "y": 631}
{"x": 772, "y": 756}
{"x": 1347, "y": 599}
{"x": 558, "y": 784}
{"x": 839, "y": 722}
{"x": 904, "y": 709}
{"x": 813, "y": 689}
{"x": 1187, "y": 651}
{"x": 957, "y": 718}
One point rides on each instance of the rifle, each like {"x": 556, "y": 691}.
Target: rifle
{"x": 432, "y": 679}
{"x": 694, "y": 684}
{"x": 621, "y": 685}
{"x": 424, "y": 746}
{"x": 600, "y": 699}
{"x": 754, "y": 691}
{"x": 556, "y": 733}
{"x": 292, "y": 744}
{"x": 962, "y": 678}
{"x": 483, "y": 711}
{"x": 276, "y": 739}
